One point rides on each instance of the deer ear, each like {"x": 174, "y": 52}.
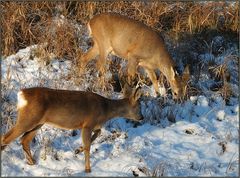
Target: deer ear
{"x": 172, "y": 73}
{"x": 186, "y": 74}
{"x": 127, "y": 90}
{"x": 136, "y": 94}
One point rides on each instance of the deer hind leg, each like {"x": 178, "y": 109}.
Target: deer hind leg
{"x": 10, "y": 136}
{"x": 101, "y": 62}
{"x": 24, "y": 124}
{"x": 25, "y": 140}
{"x": 91, "y": 54}
{"x": 104, "y": 46}
{"x": 20, "y": 128}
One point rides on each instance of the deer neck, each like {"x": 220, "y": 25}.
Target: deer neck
{"x": 167, "y": 67}
{"x": 118, "y": 108}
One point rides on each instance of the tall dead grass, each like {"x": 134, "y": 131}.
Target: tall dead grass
{"x": 27, "y": 23}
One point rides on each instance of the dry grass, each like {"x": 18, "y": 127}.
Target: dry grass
{"x": 158, "y": 170}
{"x": 222, "y": 74}
{"x": 27, "y": 23}
{"x": 58, "y": 26}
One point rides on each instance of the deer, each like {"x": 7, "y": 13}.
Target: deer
{"x": 68, "y": 109}
{"x": 138, "y": 44}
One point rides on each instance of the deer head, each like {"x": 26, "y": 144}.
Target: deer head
{"x": 179, "y": 83}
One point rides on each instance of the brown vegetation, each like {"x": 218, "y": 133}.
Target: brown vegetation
{"x": 28, "y": 23}
{"x": 60, "y": 29}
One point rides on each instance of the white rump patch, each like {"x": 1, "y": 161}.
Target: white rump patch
{"x": 89, "y": 30}
{"x": 22, "y": 102}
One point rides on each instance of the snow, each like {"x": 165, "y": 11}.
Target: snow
{"x": 201, "y": 140}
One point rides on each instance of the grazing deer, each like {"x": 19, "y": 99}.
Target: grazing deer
{"x": 136, "y": 42}
{"x": 68, "y": 110}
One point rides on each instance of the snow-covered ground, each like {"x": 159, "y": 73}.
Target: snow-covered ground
{"x": 202, "y": 142}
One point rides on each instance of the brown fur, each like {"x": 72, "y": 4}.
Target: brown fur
{"x": 69, "y": 110}
{"x": 136, "y": 42}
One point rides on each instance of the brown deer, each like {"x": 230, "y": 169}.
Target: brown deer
{"x": 136, "y": 42}
{"x": 68, "y": 110}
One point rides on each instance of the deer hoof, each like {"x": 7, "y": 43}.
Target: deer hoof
{"x": 77, "y": 151}
{"x": 87, "y": 170}
{"x": 3, "y": 147}
{"x": 31, "y": 162}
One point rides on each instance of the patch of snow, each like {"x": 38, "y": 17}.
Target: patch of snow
{"x": 201, "y": 140}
